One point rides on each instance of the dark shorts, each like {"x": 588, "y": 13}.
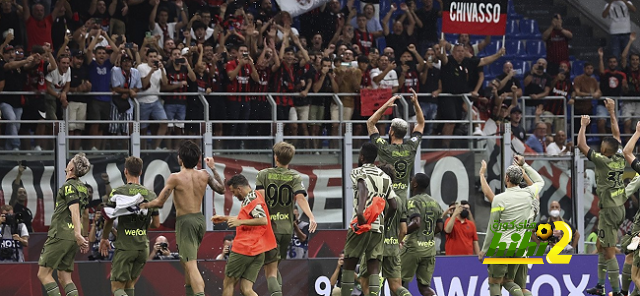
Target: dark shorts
{"x": 190, "y": 230}
{"x": 127, "y": 265}
{"x": 283, "y": 112}
{"x": 243, "y": 266}
{"x": 58, "y": 254}
{"x": 449, "y": 108}
{"x": 609, "y": 221}
{"x": 99, "y": 110}
{"x": 280, "y": 251}
{"x": 369, "y": 245}
{"x": 217, "y": 108}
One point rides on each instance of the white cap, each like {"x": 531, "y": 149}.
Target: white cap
{"x": 185, "y": 51}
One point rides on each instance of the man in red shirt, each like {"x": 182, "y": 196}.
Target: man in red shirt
{"x": 240, "y": 70}
{"x": 461, "y": 235}
{"x": 39, "y": 26}
{"x": 557, "y": 39}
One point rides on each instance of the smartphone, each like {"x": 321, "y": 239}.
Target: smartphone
{"x": 345, "y": 64}
{"x": 245, "y": 55}
{"x": 10, "y": 31}
{"x": 224, "y": 55}
{"x": 148, "y": 34}
{"x": 430, "y": 59}
{"x": 181, "y": 61}
{"x": 128, "y": 45}
{"x": 156, "y": 63}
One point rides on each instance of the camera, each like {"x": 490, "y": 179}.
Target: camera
{"x": 164, "y": 245}
{"x": 245, "y": 55}
{"x": 128, "y": 45}
{"x": 156, "y": 63}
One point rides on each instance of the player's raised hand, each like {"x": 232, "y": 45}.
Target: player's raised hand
{"x": 210, "y": 162}
{"x": 638, "y": 127}
{"x": 585, "y": 120}
{"x": 414, "y": 98}
{"x": 483, "y": 168}
{"x": 609, "y": 104}
{"x": 312, "y": 225}
{"x": 519, "y": 160}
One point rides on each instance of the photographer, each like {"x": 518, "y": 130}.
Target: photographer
{"x": 19, "y": 199}
{"x": 14, "y": 236}
{"x": 160, "y": 250}
{"x": 97, "y": 227}
{"x": 226, "y": 247}
{"x": 557, "y": 236}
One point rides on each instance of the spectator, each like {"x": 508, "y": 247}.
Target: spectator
{"x": 508, "y": 78}
{"x": 12, "y": 79}
{"x": 401, "y": 37}
{"x": 267, "y": 62}
{"x": 474, "y": 49}
{"x": 100, "y": 77}
{"x": 302, "y": 104}
{"x": 613, "y": 83}
{"x": 240, "y": 69}
{"x": 336, "y": 276}
{"x": 179, "y": 76}
{"x": 323, "y": 82}
{"x": 555, "y": 215}
{"x": 138, "y": 26}
{"x": 203, "y": 16}
{"x": 15, "y": 236}
{"x": 374, "y": 55}
{"x": 328, "y": 20}
{"x": 585, "y": 89}
{"x": 98, "y": 11}
{"x": 118, "y": 10}
{"x": 408, "y": 77}
{"x": 299, "y": 247}
{"x": 227, "y": 241}
{"x": 161, "y": 250}
{"x": 78, "y": 103}
{"x": 450, "y": 108}
{"x": 372, "y": 21}
{"x": 97, "y": 228}
{"x": 164, "y": 28}
{"x": 153, "y": 76}
{"x": 385, "y": 75}
{"x": 362, "y": 37}
{"x": 558, "y": 146}
{"x": 536, "y": 141}
{"x": 58, "y": 83}
{"x": 557, "y": 39}
{"x": 19, "y": 199}
{"x": 59, "y": 27}
{"x": 265, "y": 13}
{"x": 38, "y": 25}
{"x": 561, "y": 87}
{"x": 11, "y": 15}
{"x": 427, "y": 23}
{"x": 460, "y": 231}
{"x": 430, "y": 84}
{"x": 348, "y": 78}
{"x": 631, "y": 108}
{"x": 36, "y": 71}
{"x": 537, "y": 85}
{"x": 516, "y": 127}
{"x": 126, "y": 83}
{"x": 617, "y": 12}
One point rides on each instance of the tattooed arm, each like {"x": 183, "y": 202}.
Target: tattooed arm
{"x": 215, "y": 181}
{"x": 164, "y": 195}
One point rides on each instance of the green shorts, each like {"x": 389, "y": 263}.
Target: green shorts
{"x": 391, "y": 267}
{"x": 503, "y": 270}
{"x": 58, "y": 254}
{"x": 280, "y": 251}
{"x": 415, "y": 265}
{"x": 520, "y": 277}
{"x": 609, "y": 221}
{"x": 369, "y": 245}
{"x": 190, "y": 230}
{"x": 243, "y": 266}
{"x": 127, "y": 265}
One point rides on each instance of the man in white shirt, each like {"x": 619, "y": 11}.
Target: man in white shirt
{"x": 153, "y": 77}
{"x": 385, "y": 76}
{"x": 58, "y": 83}
{"x": 163, "y": 28}
{"x": 617, "y": 13}
{"x": 558, "y": 146}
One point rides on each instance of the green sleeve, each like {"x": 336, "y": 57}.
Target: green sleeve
{"x": 597, "y": 158}
{"x": 497, "y": 207}
{"x": 414, "y": 208}
{"x": 298, "y": 186}
{"x": 415, "y": 140}
{"x": 109, "y": 202}
{"x": 71, "y": 195}
{"x": 261, "y": 180}
{"x": 379, "y": 142}
{"x": 633, "y": 187}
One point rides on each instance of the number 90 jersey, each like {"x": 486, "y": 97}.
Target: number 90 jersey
{"x": 280, "y": 187}
{"x": 401, "y": 157}
{"x": 610, "y": 186}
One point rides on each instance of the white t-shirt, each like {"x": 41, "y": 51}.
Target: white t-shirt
{"x": 553, "y": 149}
{"x": 102, "y": 43}
{"x": 148, "y": 95}
{"x": 171, "y": 29}
{"x": 389, "y": 81}
{"x": 619, "y": 17}
{"x": 293, "y": 30}
{"x": 58, "y": 80}
{"x": 207, "y": 35}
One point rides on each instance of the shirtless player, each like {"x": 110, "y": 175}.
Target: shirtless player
{"x": 188, "y": 187}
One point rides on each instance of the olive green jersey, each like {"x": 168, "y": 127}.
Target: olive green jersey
{"x": 391, "y": 231}
{"x": 422, "y": 240}
{"x": 280, "y": 186}
{"x": 72, "y": 192}
{"x": 132, "y": 229}
{"x": 630, "y": 190}
{"x": 377, "y": 183}
{"x": 610, "y": 187}
{"x": 401, "y": 157}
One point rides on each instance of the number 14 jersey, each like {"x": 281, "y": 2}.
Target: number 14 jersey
{"x": 280, "y": 186}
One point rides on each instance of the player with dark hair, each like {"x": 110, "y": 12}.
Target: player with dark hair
{"x": 282, "y": 188}
{"x": 419, "y": 254}
{"x": 188, "y": 187}
{"x": 610, "y": 165}
{"x": 131, "y": 251}
{"x": 372, "y": 187}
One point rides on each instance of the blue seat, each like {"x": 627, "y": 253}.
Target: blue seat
{"x": 492, "y": 48}
{"x": 515, "y": 48}
{"x": 519, "y": 67}
{"x": 496, "y": 68}
{"x": 511, "y": 9}
{"x": 577, "y": 68}
{"x": 513, "y": 30}
{"x": 536, "y": 49}
{"x": 529, "y": 29}
{"x": 450, "y": 36}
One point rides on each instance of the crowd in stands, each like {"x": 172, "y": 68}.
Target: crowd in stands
{"x": 57, "y": 47}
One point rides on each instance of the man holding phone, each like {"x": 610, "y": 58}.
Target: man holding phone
{"x": 176, "y": 105}
{"x": 153, "y": 77}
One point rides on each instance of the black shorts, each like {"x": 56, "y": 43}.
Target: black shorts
{"x": 99, "y": 110}
{"x": 217, "y": 108}
{"x": 283, "y": 112}
{"x": 34, "y": 109}
{"x": 449, "y": 108}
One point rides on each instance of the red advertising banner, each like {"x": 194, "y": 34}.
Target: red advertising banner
{"x": 477, "y": 17}
{"x": 372, "y": 99}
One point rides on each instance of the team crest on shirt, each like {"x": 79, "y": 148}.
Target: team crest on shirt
{"x": 613, "y": 82}
{"x": 414, "y": 139}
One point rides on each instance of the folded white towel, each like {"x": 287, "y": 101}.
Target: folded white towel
{"x": 125, "y": 205}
